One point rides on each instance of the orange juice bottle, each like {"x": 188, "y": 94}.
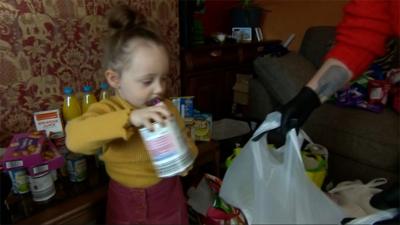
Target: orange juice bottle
{"x": 88, "y": 98}
{"x": 71, "y": 107}
{"x": 104, "y": 92}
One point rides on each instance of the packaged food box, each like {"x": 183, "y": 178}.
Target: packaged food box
{"x": 201, "y": 128}
{"x": 241, "y": 89}
{"x": 51, "y": 159}
{"x": 184, "y": 105}
{"x": 189, "y": 122}
{"x": 49, "y": 121}
{"x": 24, "y": 150}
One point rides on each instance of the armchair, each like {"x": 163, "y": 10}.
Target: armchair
{"x": 362, "y": 145}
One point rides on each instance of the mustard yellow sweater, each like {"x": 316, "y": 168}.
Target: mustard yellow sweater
{"x": 106, "y": 124}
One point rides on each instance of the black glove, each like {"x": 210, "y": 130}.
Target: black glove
{"x": 294, "y": 114}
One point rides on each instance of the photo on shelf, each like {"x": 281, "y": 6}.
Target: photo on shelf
{"x": 242, "y": 34}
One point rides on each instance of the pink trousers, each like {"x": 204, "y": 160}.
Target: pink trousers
{"x": 163, "y": 203}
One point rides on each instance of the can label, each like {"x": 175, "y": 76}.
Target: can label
{"x": 19, "y": 179}
{"x": 77, "y": 168}
{"x": 167, "y": 148}
{"x": 42, "y": 187}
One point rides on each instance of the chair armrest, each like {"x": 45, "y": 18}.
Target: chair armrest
{"x": 284, "y": 76}
{"x": 260, "y": 101}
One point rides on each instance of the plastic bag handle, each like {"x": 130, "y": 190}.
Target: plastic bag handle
{"x": 306, "y": 137}
{"x": 272, "y": 121}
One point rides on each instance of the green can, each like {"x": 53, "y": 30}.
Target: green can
{"x": 20, "y": 181}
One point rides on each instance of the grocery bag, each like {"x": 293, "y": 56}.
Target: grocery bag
{"x": 270, "y": 186}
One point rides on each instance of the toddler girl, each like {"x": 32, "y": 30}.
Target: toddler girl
{"x": 137, "y": 66}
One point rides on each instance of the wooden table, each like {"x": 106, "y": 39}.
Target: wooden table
{"x": 85, "y": 202}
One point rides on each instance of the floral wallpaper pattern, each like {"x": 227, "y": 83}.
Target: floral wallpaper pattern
{"x": 46, "y": 45}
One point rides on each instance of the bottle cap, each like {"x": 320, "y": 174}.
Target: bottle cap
{"x": 87, "y": 88}
{"x": 103, "y": 85}
{"x": 68, "y": 90}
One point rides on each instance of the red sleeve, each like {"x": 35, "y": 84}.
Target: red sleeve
{"x": 362, "y": 34}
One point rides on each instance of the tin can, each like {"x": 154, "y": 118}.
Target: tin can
{"x": 58, "y": 140}
{"x": 76, "y": 166}
{"x": 167, "y": 148}
{"x": 42, "y": 187}
{"x": 19, "y": 179}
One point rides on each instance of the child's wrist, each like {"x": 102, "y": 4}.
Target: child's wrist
{"x": 131, "y": 120}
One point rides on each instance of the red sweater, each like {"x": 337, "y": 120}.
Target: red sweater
{"x": 363, "y": 32}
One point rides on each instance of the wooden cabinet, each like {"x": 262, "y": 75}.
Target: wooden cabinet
{"x": 209, "y": 73}
{"x": 86, "y": 208}
{"x": 85, "y": 202}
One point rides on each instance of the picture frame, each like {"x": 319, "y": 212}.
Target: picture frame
{"x": 259, "y": 34}
{"x": 242, "y": 34}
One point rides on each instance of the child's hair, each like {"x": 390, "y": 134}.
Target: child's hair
{"x": 126, "y": 25}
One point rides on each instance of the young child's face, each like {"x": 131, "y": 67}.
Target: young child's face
{"x": 144, "y": 77}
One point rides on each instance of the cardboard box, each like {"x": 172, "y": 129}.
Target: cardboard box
{"x": 189, "y": 122}
{"x": 241, "y": 89}
{"x": 184, "y": 105}
{"x": 51, "y": 159}
{"x": 49, "y": 121}
{"x": 24, "y": 150}
{"x": 32, "y": 151}
{"x": 201, "y": 128}
{"x": 241, "y": 98}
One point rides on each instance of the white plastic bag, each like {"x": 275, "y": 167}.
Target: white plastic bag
{"x": 271, "y": 187}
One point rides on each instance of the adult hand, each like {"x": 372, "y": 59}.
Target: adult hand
{"x": 294, "y": 114}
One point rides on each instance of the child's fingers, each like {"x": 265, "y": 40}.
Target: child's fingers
{"x": 184, "y": 173}
{"x": 148, "y": 124}
{"x": 162, "y": 109}
{"x": 156, "y": 117}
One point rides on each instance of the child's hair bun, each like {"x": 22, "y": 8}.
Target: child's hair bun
{"x": 122, "y": 17}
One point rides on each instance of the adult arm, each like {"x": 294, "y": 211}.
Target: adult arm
{"x": 360, "y": 38}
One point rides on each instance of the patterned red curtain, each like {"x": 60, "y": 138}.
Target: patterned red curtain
{"x": 48, "y": 44}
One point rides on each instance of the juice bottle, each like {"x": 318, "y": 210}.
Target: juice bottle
{"x": 88, "y": 98}
{"x": 105, "y": 92}
{"x": 71, "y": 107}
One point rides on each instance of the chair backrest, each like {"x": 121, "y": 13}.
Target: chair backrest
{"x": 316, "y": 43}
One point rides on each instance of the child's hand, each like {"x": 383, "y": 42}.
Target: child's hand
{"x": 184, "y": 173}
{"x": 146, "y": 116}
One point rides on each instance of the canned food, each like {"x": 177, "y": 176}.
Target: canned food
{"x": 42, "y": 187}
{"x": 58, "y": 140}
{"x": 76, "y": 166}
{"x": 19, "y": 179}
{"x": 167, "y": 148}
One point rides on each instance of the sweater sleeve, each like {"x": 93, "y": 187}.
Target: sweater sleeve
{"x": 362, "y": 34}
{"x": 101, "y": 124}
